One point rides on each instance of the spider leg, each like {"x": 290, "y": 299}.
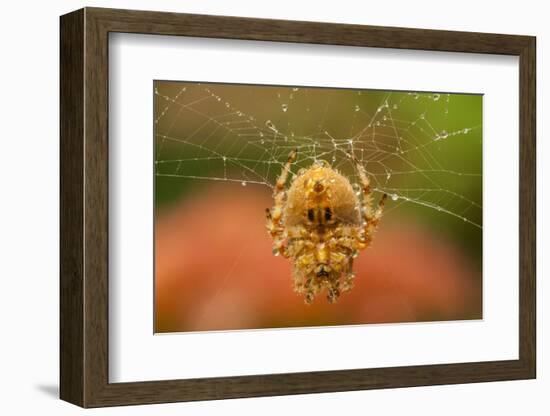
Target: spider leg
{"x": 371, "y": 216}
{"x": 274, "y": 215}
{"x": 347, "y": 284}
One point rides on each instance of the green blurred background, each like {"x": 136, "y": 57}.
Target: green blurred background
{"x": 218, "y": 151}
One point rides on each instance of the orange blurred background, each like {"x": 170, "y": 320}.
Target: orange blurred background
{"x": 215, "y": 271}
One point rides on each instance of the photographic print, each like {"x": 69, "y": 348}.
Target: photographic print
{"x": 299, "y": 206}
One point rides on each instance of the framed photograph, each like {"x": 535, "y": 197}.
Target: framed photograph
{"x": 255, "y": 207}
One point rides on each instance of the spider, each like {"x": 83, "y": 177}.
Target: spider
{"x": 321, "y": 224}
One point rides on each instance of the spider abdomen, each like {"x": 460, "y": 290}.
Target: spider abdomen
{"x": 321, "y": 196}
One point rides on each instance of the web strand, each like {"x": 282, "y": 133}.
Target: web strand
{"x": 398, "y": 137}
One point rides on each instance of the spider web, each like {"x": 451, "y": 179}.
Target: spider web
{"x": 410, "y": 143}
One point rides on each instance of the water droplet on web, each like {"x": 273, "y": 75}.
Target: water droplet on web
{"x": 227, "y": 105}
{"x": 357, "y": 108}
{"x": 219, "y": 98}
{"x": 384, "y": 118}
{"x": 379, "y": 109}
{"x": 394, "y": 197}
{"x": 262, "y": 141}
{"x": 443, "y": 134}
{"x": 415, "y": 95}
{"x": 270, "y": 125}
{"x": 388, "y": 175}
{"x": 333, "y": 159}
{"x": 436, "y": 97}
{"x": 276, "y": 251}
{"x": 377, "y": 123}
{"x": 243, "y": 183}
{"x": 295, "y": 89}
{"x": 423, "y": 116}
{"x": 466, "y": 130}
{"x": 284, "y": 107}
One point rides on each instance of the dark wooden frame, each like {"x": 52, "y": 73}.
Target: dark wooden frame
{"x": 84, "y": 207}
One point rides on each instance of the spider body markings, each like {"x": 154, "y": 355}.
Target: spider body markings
{"x": 321, "y": 225}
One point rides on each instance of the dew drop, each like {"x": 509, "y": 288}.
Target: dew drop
{"x": 357, "y": 108}
{"x": 270, "y": 125}
{"x": 276, "y": 251}
{"x": 436, "y": 97}
{"x": 466, "y": 131}
{"x": 284, "y": 107}
{"x": 388, "y": 175}
{"x": 423, "y": 116}
{"x": 443, "y": 134}
{"x": 394, "y": 197}
{"x": 295, "y": 89}
{"x": 243, "y": 183}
